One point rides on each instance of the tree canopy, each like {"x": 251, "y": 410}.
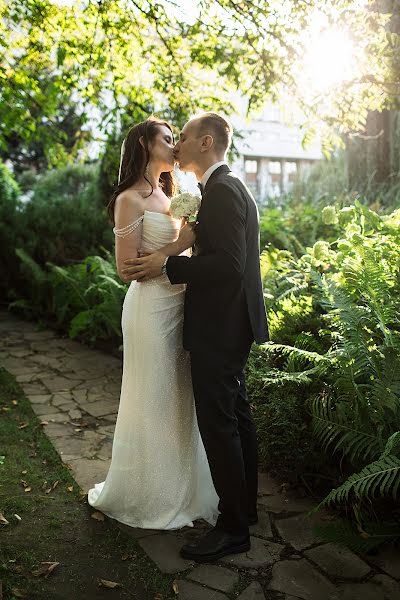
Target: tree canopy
{"x": 110, "y": 58}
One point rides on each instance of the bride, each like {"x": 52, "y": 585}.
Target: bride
{"x": 159, "y": 476}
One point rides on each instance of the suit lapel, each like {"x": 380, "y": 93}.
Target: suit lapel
{"x": 222, "y": 170}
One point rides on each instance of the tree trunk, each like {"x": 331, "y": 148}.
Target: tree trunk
{"x": 374, "y": 155}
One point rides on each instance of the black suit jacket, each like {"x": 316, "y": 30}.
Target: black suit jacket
{"x": 224, "y": 303}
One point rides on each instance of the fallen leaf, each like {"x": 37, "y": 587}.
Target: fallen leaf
{"x": 15, "y": 402}
{"x": 45, "y": 569}
{"x": 175, "y": 586}
{"x": 26, "y": 486}
{"x": 24, "y": 472}
{"x": 109, "y": 584}
{"x": 44, "y": 422}
{"x": 44, "y": 461}
{"x": 33, "y": 455}
{"x": 125, "y": 556}
{"x": 23, "y": 425}
{"x": 78, "y": 429}
{"x": 51, "y": 488}
{"x": 70, "y": 488}
{"x": 18, "y": 593}
{"x": 51, "y": 568}
{"x": 3, "y": 520}
{"x": 17, "y": 517}
{"x": 5, "y": 408}
{"x": 98, "y": 516}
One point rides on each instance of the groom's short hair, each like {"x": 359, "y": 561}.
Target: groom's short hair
{"x": 213, "y": 124}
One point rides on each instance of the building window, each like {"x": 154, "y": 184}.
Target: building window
{"x": 275, "y": 177}
{"x": 274, "y": 167}
{"x": 291, "y": 171}
{"x": 250, "y": 166}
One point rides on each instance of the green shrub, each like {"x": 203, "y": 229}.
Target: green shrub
{"x": 349, "y": 371}
{"x": 84, "y": 300}
{"x": 64, "y": 220}
{"x": 286, "y": 447}
{"x": 10, "y": 230}
{"x": 88, "y": 298}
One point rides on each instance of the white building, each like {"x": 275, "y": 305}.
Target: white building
{"x": 271, "y": 154}
{"x": 270, "y": 150}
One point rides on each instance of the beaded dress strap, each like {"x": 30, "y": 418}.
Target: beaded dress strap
{"x": 128, "y": 229}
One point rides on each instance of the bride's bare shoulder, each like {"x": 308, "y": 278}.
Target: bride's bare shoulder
{"x": 131, "y": 195}
{"x": 130, "y": 198}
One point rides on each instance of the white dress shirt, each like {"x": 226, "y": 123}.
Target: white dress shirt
{"x": 210, "y": 171}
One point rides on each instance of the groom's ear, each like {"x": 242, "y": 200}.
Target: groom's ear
{"x": 206, "y": 143}
{"x": 141, "y": 141}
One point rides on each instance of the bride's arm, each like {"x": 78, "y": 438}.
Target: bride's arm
{"x": 149, "y": 266}
{"x": 128, "y": 216}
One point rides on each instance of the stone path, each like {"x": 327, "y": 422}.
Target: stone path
{"x": 75, "y": 391}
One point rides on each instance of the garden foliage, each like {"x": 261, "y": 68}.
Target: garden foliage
{"x": 334, "y": 315}
{"x": 328, "y": 380}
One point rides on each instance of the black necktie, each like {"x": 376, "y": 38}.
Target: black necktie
{"x": 201, "y": 187}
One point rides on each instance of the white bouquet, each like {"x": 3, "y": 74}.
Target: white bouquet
{"x": 185, "y": 205}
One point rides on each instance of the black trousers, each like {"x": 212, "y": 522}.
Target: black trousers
{"x": 228, "y": 433}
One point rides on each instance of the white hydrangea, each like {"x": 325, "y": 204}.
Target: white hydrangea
{"x": 184, "y": 205}
{"x": 329, "y": 215}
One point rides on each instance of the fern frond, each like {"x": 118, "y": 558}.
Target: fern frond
{"x": 392, "y": 445}
{"x": 277, "y": 377}
{"x": 332, "y": 424}
{"x": 380, "y": 477}
{"x": 38, "y": 273}
{"x": 345, "y": 533}
{"x": 272, "y": 348}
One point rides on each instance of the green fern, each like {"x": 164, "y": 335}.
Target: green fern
{"x": 32, "y": 266}
{"x": 362, "y": 539}
{"x": 381, "y": 477}
{"x": 332, "y": 426}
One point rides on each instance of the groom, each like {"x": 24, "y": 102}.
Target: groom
{"x": 223, "y": 314}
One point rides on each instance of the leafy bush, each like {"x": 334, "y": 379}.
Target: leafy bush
{"x": 10, "y": 229}
{"x": 83, "y": 300}
{"x": 64, "y": 220}
{"x": 349, "y": 370}
{"x": 294, "y": 225}
{"x": 286, "y": 447}
{"x": 89, "y": 297}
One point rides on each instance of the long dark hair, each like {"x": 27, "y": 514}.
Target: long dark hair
{"x": 135, "y": 159}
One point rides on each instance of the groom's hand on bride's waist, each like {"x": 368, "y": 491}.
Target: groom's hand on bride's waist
{"x": 145, "y": 267}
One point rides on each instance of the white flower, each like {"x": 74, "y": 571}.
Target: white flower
{"x": 329, "y": 215}
{"x": 184, "y": 205}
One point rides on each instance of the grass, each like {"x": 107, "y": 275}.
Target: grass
{"x": 55, "y": 524}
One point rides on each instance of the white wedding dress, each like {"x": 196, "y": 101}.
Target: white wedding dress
{"x": 159, "y": 476}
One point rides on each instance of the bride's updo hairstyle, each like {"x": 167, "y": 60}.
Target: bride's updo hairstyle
{"x": 135, "y": 157}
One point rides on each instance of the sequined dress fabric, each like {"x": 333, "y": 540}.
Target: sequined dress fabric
{"x": 159, "y": 476}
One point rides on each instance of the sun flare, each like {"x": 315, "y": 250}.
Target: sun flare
{"x": 330, "y": 60}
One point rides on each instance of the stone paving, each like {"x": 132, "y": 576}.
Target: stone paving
{"x": 74, "y": 391}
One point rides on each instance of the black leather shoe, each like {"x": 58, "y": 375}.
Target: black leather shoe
{"x": 214, "y": 545}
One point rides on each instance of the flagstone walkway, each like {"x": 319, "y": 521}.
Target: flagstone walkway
{"x": 75, "y": 391}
